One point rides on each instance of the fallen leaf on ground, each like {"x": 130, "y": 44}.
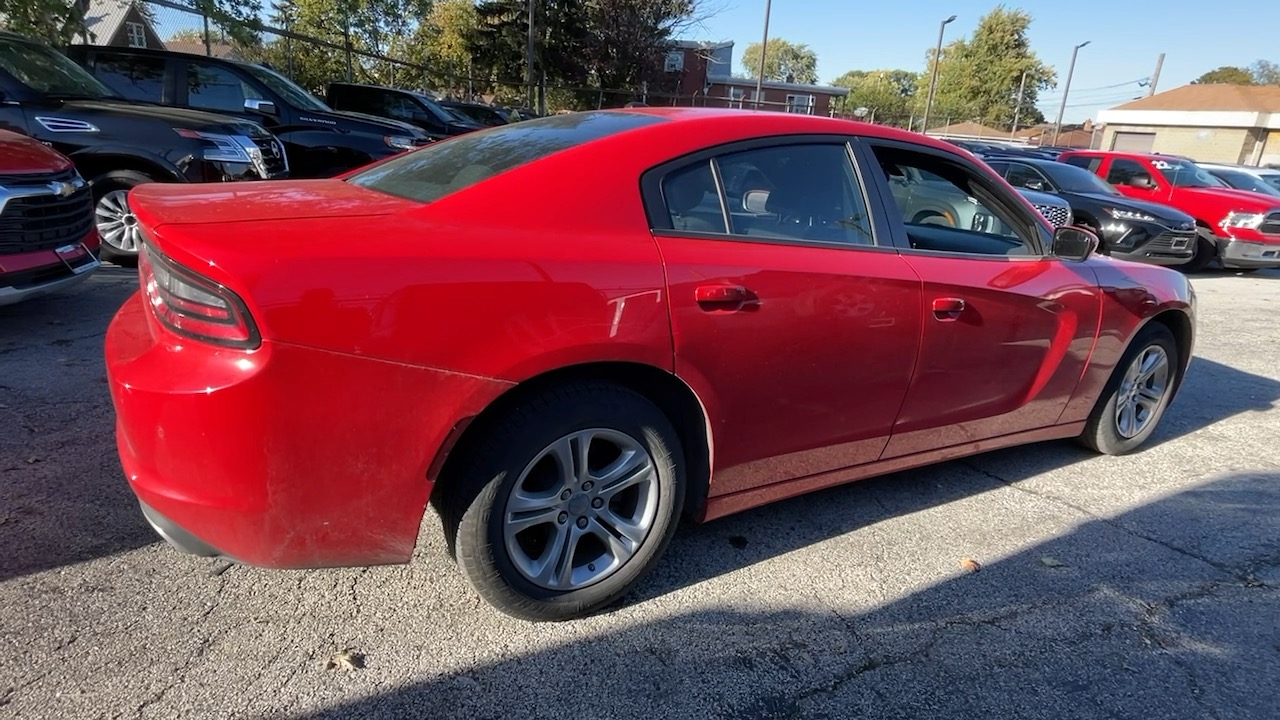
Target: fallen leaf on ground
{"x": 970, "y": 565}
{"x": 1052, "y": 562}
{"x": 345, "y": 660}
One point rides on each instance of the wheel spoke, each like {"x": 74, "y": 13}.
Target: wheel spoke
{"x": 1127, "y": 418}
{"x": 523, "y": 503}
{"x": 620, "y": 547}
{"x": 571, "y": 457}
{"x": 1154, "y": 361}
{"x": 518, "y": 522}
{"x": 1150, "y": 394}
{"x": 556, "y": 569}
{"x": 628, "y": 470}
{"x": 629, "y": 532}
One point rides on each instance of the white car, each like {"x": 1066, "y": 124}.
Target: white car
{"x": 1265, "y": 181}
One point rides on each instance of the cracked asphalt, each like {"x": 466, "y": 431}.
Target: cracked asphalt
{"x": 1136, "y": 587}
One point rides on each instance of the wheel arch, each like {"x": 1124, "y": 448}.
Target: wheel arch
{"x": 675, "y": 398}
{"x": 91, "y": 164}
{"x": 1180, "y": 326}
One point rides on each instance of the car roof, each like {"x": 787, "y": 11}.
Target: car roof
{"x": 163, "y": 53}
{"x": 1241, "y": 168}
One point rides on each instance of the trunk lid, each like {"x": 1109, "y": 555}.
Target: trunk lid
{"x": 159, "y": 204}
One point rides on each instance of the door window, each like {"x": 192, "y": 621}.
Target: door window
{"x": 1025, "y": 176}
{"x": 800, "y": 192}
{"x": 947, "y": 207}
{"x": 1122, "y": 171}
{"x": 135, "y": 77}
{"x": 211, "y": 87}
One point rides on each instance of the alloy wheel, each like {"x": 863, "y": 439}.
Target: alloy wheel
{"x": 117, "y": 224}
{"x": 581, "y": 509}
{"x": 1142, "y": 391}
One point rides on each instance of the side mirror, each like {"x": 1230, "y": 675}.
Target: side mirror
{"x": 1142, "y": 182}
{"x": 1073, "y": 243}
{"x": 262, "y": 107}
{"x": 1033, "y": 185}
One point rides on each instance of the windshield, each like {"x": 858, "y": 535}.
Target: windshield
{"x": 49, "y": 72}
{"x": 1072, "y": 179}
{"x": 1183, "y": 173}
{"x": 281, "y": 85}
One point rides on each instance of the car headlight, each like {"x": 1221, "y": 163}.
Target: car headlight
{"x": 401, "y": 142}
{"x": 220, "y": 148}
{"x": 1119, "y": 214}
{"x": 1247, "y": 220}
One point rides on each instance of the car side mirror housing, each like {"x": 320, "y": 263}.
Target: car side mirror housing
{"x": 1034, "y": 185}
{"x": 1142, "y": 182}
{"x": 1073, "y": 243}
{"x": 262, "y": 107}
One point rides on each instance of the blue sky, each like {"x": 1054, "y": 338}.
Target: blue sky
{"x": 1125, "y": 38}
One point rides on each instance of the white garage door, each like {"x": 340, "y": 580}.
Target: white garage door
{"x": 1133, "y": 142}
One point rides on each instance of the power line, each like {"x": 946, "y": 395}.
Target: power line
{"x": 1138, "y": 81}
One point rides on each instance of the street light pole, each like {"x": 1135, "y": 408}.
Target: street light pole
{"x": 1062, "y": 108}
{"x": 764, "y": 50}
{"x": 933, "y": 81}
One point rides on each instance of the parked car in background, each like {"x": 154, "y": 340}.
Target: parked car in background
{"x": 931, "y": 200}
{"x": 47, "y": 237}
{"x": 319, "y": 141}
{"x": 555, "y": 382}
{"x": 1265, "y": 181}
{"x": 118, "y": 143}
{"x": 1131, "y": 229}
{"x": 1238, "y": 227}
{"x": 485, "y": 115}
{"x": 402, "y": 105}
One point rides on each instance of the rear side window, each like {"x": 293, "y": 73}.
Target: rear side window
{"x": 1090, "y": 163}
{"x": 137, "y": 78}
{"x": 444, "y": 168}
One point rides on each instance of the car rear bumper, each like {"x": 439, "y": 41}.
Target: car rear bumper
{"x": 283, "y": 456}
{"x": 28, "y": 275}
{"x": 1248, "y": 255}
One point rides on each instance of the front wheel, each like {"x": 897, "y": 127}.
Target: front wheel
{"x": 1137, "y": 394}
{"x": 117, "y": 225}
{"x": 1206, "y": 250}
{"x": 567, "y": 502}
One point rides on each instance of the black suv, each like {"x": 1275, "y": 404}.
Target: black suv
{"x": 116, "y": 143}
{"x": 410, "y": 107}
{"x": 319, "y": 141}
{"x": 1129, "y": 229}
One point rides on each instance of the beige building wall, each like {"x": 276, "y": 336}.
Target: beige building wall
{"x": 1270, "y": 154}
{"x": 1223, "y": 145}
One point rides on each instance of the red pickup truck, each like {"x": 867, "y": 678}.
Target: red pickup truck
{"x": 1240, "y": 228}
{"x": 47, "y": 236}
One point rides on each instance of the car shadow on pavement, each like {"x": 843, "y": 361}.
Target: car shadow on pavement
{"x": 1168, "y": 610}
{"x": 63, "y": 496}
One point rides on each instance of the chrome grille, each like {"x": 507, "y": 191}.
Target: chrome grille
{"x": 44, "y": 220}
{"x": 1057, "y": 216}
{"x": 1171, "y": 242}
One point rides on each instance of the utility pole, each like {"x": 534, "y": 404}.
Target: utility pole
{"x": 933, "y": 81}
{"x": 1071, "y": 69}
{"x": 529, "y": 57}
{"x": 1017, "y": 109}
{"x": 764, "y": 51}
{"x": 1155, "y": 76}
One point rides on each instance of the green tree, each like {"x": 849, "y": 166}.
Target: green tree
{"x": 886, "y": 93}
{"x": 978, "y": 77}
{"x": 1226, "y": 74}
{"x": 784, "y": 62}
{"x": 54, "y": 21}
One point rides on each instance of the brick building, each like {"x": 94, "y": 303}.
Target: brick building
{"x": 1209, "y": 123}
{"x": 704, "y": 78}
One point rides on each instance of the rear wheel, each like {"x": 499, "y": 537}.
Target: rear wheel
{"x": 567, "y": 502}
{"x": 1137, "y": 394}
{"x": 117, "y": 225}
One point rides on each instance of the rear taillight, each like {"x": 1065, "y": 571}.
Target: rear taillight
{"x": 194, "y": 306}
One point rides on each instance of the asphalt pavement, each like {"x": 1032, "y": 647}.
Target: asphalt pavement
{"x": 1136, "y": 587}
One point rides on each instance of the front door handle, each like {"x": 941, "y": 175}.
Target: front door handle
{"x": 721, "y": 297}
{"x": 947, "y": 309}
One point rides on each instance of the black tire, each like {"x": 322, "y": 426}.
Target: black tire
{"x": 1101, "y": 432}
{"x": 1206, "y": 251}
{"x": 104, "y": 184}
{"x": 474, "y": 499}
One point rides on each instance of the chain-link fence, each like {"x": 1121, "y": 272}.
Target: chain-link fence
{"x": 313, "y": 62}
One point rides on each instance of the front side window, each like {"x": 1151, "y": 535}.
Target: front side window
{"x": 136, "y": 77}
{"x": 1183, "y": 173}
{"x": 1123, "y": 171}
{"x": 286, "y": 88}
{"x": 137, "y": 34}
{"x": 443, "y": 168}
{"x": 211, "y": 87}
{"x": 1088, "y": 162}
{"x": 1025, "y": 176}
{"x": 946, "y": 207}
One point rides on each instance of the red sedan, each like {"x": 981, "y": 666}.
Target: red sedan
{"x": 566, "y": 333}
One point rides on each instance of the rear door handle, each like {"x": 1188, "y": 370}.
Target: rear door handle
{"x": 721, "y": 297}
{"x": 947, "y": 309}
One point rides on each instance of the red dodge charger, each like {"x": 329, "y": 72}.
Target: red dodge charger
{"x": 566, "y": 333}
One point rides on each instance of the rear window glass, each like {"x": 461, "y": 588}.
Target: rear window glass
{"x": 442, "y": 169}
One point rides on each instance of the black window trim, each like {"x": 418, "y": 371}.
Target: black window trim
{"x": 659, "y": 220}
{"x": 1035, "y": 229}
